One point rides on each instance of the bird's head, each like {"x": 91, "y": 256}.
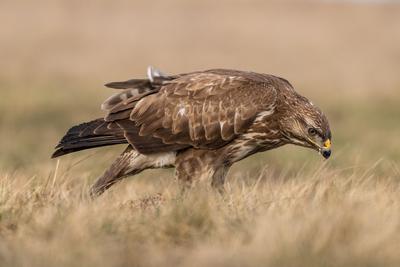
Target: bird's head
{"x": 308, "y": 126}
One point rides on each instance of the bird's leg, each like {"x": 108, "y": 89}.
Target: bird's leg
{"x": 196, "y": 165}
{"x": 218, "y": 178}
{"x": 119, "y": 169}
{"x": 131, "y": 162}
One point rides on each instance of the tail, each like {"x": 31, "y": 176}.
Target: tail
{"x": 89, "y": 135}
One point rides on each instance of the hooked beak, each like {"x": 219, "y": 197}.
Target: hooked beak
{"x": 326, "y": 149}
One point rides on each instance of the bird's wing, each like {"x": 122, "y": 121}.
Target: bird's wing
{"x": 203, "y": 110}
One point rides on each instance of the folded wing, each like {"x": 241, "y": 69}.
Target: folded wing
{"x": 202, "y": 109}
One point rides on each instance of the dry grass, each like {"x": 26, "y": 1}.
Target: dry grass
{"x": 322, "y": 218}
{"x": 282, "y": 208}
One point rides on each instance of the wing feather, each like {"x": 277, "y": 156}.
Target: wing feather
{"x": 203, "y": 110}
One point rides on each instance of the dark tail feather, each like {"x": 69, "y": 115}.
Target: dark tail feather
{"x": 85, "y": 136}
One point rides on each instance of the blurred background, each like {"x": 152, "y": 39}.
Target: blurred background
{"x": 55, "y": 57}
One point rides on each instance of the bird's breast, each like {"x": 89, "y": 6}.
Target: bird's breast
{"x": 250, "y": 143}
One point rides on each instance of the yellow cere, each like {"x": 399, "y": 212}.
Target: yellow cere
{"x": 327, "y": 144}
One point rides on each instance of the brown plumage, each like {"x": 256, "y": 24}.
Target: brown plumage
{"x": 200, "y": 123}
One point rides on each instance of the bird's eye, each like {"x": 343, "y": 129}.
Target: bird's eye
{"x": 312, "y": 131}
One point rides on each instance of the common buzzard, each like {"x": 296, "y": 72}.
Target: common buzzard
{"x": 199, "y": 122}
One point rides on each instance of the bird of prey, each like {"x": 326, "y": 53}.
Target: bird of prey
{"x": 199, "y": 122}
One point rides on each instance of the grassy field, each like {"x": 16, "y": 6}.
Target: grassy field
{"x": 286, "y": 207}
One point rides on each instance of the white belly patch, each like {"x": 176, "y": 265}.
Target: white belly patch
{"x": 157, "y": 160}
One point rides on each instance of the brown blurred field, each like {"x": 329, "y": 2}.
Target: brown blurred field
{"x": 286, "y": 207}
